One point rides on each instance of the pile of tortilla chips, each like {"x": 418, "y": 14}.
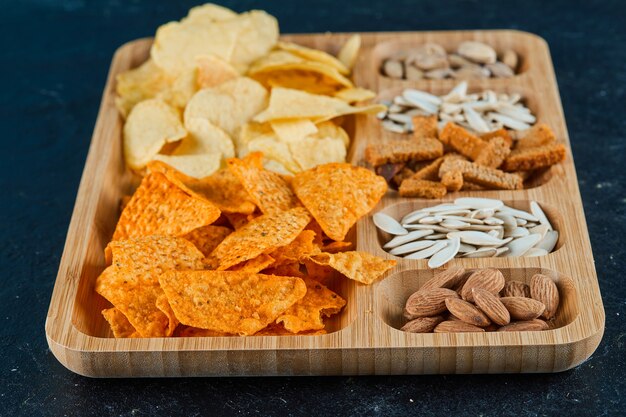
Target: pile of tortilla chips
{"x": 219, "y": 84}
{"x": 242, "y": 252}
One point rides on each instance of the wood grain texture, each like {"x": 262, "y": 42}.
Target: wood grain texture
{"x": 364, "y": 338}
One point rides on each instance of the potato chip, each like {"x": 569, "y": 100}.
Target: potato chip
{"x": 183, "y": 87}
{"x": 161, "y": 207}
{"x": 310, "y": 152}
{"x": 120, "y": 326}
{"x": 258, "y": 33}
{"x": 359, "y": 266}
{"x": 337, "y": 195}
{"x": 311, "y": 77}
{"x": 350, "y": 51}
{"x": 205, "y": 138}
{"x": 197, "y": 166}
{"x": 254, "y": 265}
{"x": 130, "y": 283}
{"x": 313, "y": 55}
{"x": 229, "y": 105}
{"x": 230, "y": 301}
{"x": 261, "y": 235}
{"x": 269, "y": 191}
{"x": 208, "y": 13}
{"x": 225, "y": 191}
{"x": 331, "y": 130}
{"x": 355, "y": 94}
{"x": 277, "y": 167}
{"x": 139, "y": 84}
{"x": 212, "y": 71}
{"x": 207, "y": 238}
{"x": 300, "y": 248}
{"x": 292, "y": 130}
{"x": 276, "y": 151}
{"x": 150, "y": 125}
{"x": 249, "y": 132}
{"x": 306, "y": 314}
{"x": 287, "y": 103}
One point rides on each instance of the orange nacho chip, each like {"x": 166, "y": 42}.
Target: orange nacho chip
{"x": 225, "y": 191}
{"x": 269, "y": 191}
{"x": 285, "y": 270}
{"x": 207, "y": 238}
{"x": 261, "y": 235}
{"x": 160, "y": 207}
{"x": 120, "y": 326}
{"x": 238, "y": 220}
{"x": 359, "y": 266}
{"x": 131, "y": 284}
{"x": 274, "y": 329}
{"x": 321, "y": 273}
{"x": 254, "y": 265}
{"x": 230, "y": 301}
{"x": 334, "y": 247}
{"x": 301, "y": 247}
{"x": 306, "y": 314}
{"x": 337, "y": 195}
{"x": 188, "y": 331}
{"x": 163, "y": 305}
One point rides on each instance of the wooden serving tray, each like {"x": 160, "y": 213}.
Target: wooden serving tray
{"x": 364, "y": 339}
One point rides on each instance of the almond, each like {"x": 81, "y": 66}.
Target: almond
{"x": 422, "y": 324}
{"x": 449, "y": 278}
{"x": 516, "y": 289}
{"x": 492, "y": 306}
{"x": 522, "y": 308}
{"x": 466, "y": 312}
{"x": 489, "y": 279}
{"x": 427, "y": 303}
{"x": 525, "y": 326}
{"x": 543, "y": 289}
{"x": 455, "y": 326}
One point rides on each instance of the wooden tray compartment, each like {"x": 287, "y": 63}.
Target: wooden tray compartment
{"x": 364, "y": 339}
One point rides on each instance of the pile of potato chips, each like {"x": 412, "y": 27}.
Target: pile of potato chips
{"x": 219, "y": 84}
{"x": 244, "y": 251}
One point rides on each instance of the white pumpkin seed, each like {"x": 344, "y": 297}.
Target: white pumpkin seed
{"x": 493, "y": 221}
{"x": 542, "y": 229}
{"x": 520, "y": 246}
{"x": 437, "y": 236}
{"x": 518, "y": 213}
{"x": 549, "y": 241}
{"x": 479, "y": 203}
{"x": 532, "y": 252}
{"x": 409, "y": 237}
{"x": 411, "y": 247}
{"x": 517, "y": 232}
{"x": 428, "y": 251}
{"x": 465, "y": 248}
{"x": 536, "y": 210}
{"x": 388, "y": 224}
{"x": 481, "y": 253}
{"x": 445, "y": 254}
{"x": 476, "y": 238}
{"x": 413, "y": 217}
{"x": 434, "y": 227}
{"x": 431, "y": 220}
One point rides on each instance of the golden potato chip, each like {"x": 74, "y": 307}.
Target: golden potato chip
{"x": 300, "y": 248}
{"x": 331, "y": 130}
{"x": 161, "y": 207}
{"x": 310, "y": 152}
{"x": 292, "y": 130}
{"x": 254, "y": 265}
{"x": 334, "y": 247}
{"x": 188, "y": 331}
{"x": 349, "y": 52}
{"x": 230, "y": 301}
{"x": 183, "y": 87}
{"x": 313, "y": 55}
{"x": 197, "y": 166}
{"x": 139, "y": 84}
{"x": 274, "y": 150}
{"x": 359, "y": 266}
{"x": 355, "y": 94}
{"x": 287, "y": 103}
{"x": 261, "y": 235}
{"x": 131, "y": 284}
{"x": 229, "y": 105}
{"x": 306, "y": 314}
{"x": 270, "y": 192}
{"x": 212, "y": 71}
{"x": 120, "y": 326}
{"x": 310, "y": 77}
{"x": 258, "y": 33}
{"x": 249, "y": 132}
{"x": 205, "y": 138}
{"x": 337, "y": 195}
{"x": 150, "y": 125}
{"x": 207, "y": 238}
{"x": 208, "y": 13}
{"x": 225, "y": 191}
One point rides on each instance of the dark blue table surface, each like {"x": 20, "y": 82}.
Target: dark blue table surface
{"x": 54, "y": 57}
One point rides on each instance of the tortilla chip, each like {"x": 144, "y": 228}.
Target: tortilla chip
{"x": 306, "y": 314}
{"x": 163, "y": 305}
{"x": 254, "y": 265}
{"x": 334, "y": 247}
{"x": 207, "y": 238}
{"x": 159, "y": 207}
{"x": 301, "y": 247}
{"x": 225, "y": 191}
{"x": 337, "y": 195}
{"x": 261, "y": 235}
{"x": 120, "y": 326}
{"x": 319, "y": 234}
{"x": 285, "y": 270}
{"x": 188, "y": 331}
{"x": 238, "y": 220}
{"x": 359, "y": 266}
{"x": 321, "y": 273}
{"x": 230, "y": 301}
{"x": 269, "y": 191}
{"x": 274, "y": 329}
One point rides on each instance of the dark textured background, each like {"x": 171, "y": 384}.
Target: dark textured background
{"x": 54, "y": 56}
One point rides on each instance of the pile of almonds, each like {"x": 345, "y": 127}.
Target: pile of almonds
{"x": 431, "y": 61}
{"x": 456, "y": 301}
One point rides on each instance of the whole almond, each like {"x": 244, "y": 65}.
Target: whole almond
{"x": 422, "y": 324}
{"x": 489, "y": 279}
{"x": 455, "y": 326}
{"x": 427, "y": 303}
{"x": 522, "y": 308}
{"x": 543, "y": 289}
{"x": 516, "y": 289}
{"x": 449, "y": 278}
{"x": 466, "y": 312}
{"x": 525, "y": 326}
{"x": 492, "y": 306}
